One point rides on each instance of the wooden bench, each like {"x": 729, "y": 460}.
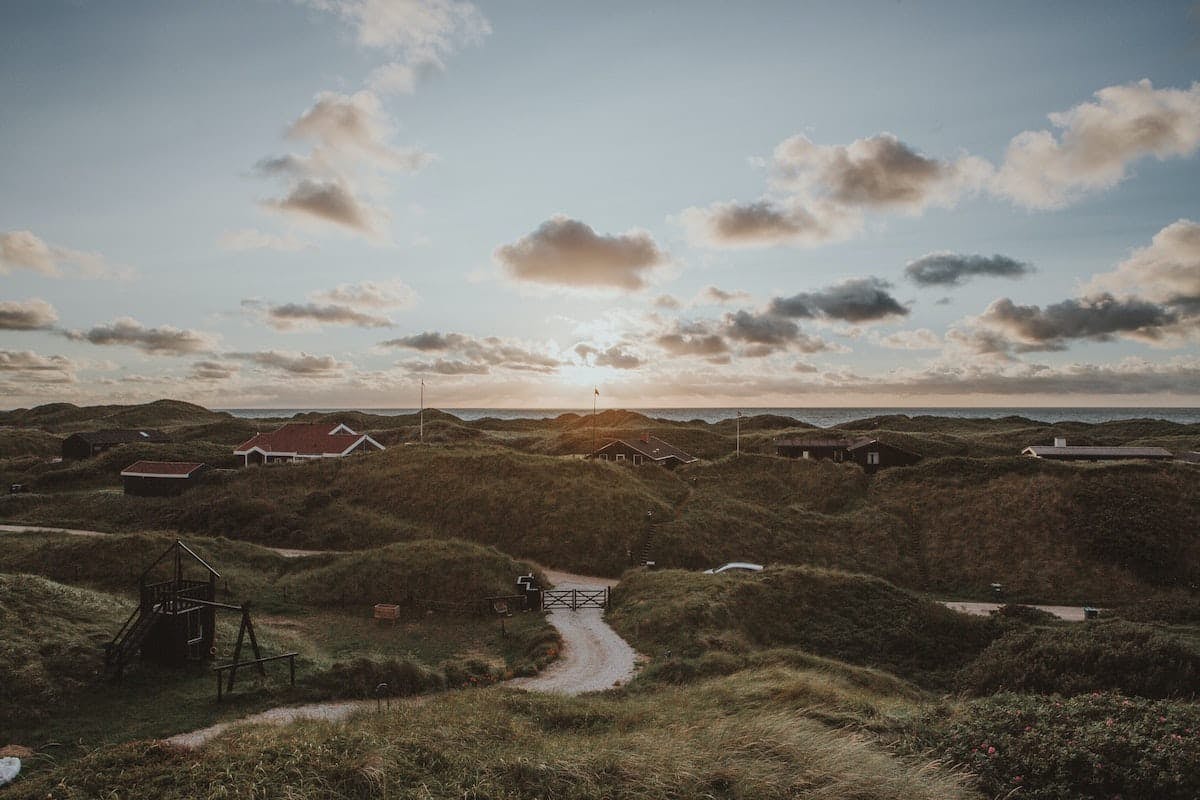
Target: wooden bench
{"x": 388, "y": 612}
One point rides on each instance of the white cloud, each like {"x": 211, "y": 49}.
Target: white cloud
{"x": 25, "y": 250}
{"x": 1095, "y": 143}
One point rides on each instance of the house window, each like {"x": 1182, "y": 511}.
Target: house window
{"x": 837, "y": 455}
{"x": 604, "y": 456}
{"x": 637, "y": 459}
{"x": 873, "y": 458}
{"x": 805, "y": 455}
{"x": 620, "y": 456}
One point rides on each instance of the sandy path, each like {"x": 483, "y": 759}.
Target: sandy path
{"x": 286, "y": 552}
{"x": 593, "y": 656}
{"x": 1069, "y": 613}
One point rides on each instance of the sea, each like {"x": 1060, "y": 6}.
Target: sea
{"x": 822, "y": 417}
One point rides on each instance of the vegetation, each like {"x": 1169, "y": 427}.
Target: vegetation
{"x": 1094, "y": 746}
{"x": 50, "y": 637}
{"x": 743, "y": 736}
{"x": 1103, "y": 656}
{"x": 853, "y": 618}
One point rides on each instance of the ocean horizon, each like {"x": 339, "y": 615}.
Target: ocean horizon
{"x": 822, "y": 417}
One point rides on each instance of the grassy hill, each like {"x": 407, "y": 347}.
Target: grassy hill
{"x": 853, "y": 618}
{"x": 747, "y": 736}
{"x": 50, "y": 637}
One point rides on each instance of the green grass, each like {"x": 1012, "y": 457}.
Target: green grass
{"x": 746, "y": 736}
{"x": 853, "y": 618}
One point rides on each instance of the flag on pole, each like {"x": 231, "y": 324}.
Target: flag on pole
{"x": 597, "y": 391}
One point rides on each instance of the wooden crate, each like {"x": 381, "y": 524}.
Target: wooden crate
{"x": 387, "y": 612}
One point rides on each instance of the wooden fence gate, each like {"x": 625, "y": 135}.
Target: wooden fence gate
{"x": 574, "y": 599}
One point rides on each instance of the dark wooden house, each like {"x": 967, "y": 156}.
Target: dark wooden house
{"x": 161, "y": 478}
{"x": 89, "y": 443}
{"x": 643, "y": 450}
{"x": 870, "y": 454}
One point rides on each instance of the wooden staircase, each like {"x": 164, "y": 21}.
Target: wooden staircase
{"x": 645, "y": 555}
{"x": 128, "y": 641}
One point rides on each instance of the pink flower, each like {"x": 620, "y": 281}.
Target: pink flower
{"x": 991, "y": 751}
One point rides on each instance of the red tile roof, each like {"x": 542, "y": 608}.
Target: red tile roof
{"x": 303, "y": 439}
{"x": 160, "y": 469}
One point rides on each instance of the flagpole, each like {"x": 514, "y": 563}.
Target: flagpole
{"x": 421, "y": 416}
{"x": 738, "y": 439}
{"x": 595, "y": 395}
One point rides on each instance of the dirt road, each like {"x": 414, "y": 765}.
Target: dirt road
{"x": 593, "y": 656}
{"x": 1069, "y": 613}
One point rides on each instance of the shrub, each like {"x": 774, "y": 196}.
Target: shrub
{"x": 1119, "y": 656}
{"x": 1099, "y": 745}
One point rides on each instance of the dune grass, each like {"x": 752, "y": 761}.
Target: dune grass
{"x": 743, "y": 736}
{"x": 853, "y": 618}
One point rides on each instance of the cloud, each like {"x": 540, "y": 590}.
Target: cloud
{"x": 616, "y": 357}
{"x": 1098, "y": 318}
{"x": 254, "y": 239}
{"x": 919, "y": 339}
{"x": 1167, "y": 271}
{"x": 820, "y": 192}
{"x": 25, "y": 250}
{"x": 164, "y": 341}
{"x": 28, "y": 315}
{"x": 330, "y": 201}
{"x": 355, "y": 128}
{"x": 692, "y": 343}
{"x": 420, "y": 29}
{"x": 566, "y": 252}
{"x": 340, "y": 180}
{"x": 1095, "y": 142}
{"x": 878, "y": 172}
{"x": 370, "y": 294}
{"x": 291, "y": 316}
{"x": 491, "y": 351}
{"x": 444, "y": 366}
{"x": 667, "y": 302}
{"x": 299, "y": 364}
{"x": 953, "y": 269}
{"x": 853, "y": 300}
{"x": 25, "y": 365}
{"x": 715, "y": 296}
{"x": 767, "y": 223}
{"x": 213, "y": 371}
{"x": 752, "y": 334}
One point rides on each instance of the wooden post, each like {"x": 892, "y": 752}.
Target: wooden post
{"x": 253, "y": 639}
{"x": 237, "y": 649}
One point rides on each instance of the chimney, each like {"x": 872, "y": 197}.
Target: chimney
{"x": 1060, "y": 442}
{"x": 646, "y": 437}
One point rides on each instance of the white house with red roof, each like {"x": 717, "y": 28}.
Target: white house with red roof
{"x": 304, "y": 441}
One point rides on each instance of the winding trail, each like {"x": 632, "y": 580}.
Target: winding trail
{"x": 593, "y": 657}
{"x": 286, "y": 552}
{"x": 1068, "y": 613}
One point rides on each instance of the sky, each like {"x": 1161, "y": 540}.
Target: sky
{"x": 323, "y": 203}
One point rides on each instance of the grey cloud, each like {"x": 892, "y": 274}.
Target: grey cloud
{"x": 1099, "y": 318}
{"x": 692, "y": 344}
{"x": 292, "y": 315}
{"x": 25, "y": 250}
{"x": 213, "y": 371}
{"x": 567, "y": 252}
{"x": 854, "y": 300}
{"x": 370, "y": 294}
{"x": 953, "y": 269}
{"x": 27, "y": 315}
{"x": 26, "y": 361}
{"x": 744, "y": 326}
{"x": 331, "y": 201}
{"x": 616, "y": 356}
{"x": 713, "y": 294}
{"x": 300, "y": 364}
{"x": 491, "y": 350}
{"x": 668, "y": 302}
{"x": 765, "y": 223}
{"x": 443, "y": 366}
{"x": 166, "y": 340}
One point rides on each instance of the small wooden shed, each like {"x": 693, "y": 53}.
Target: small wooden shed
{"x": 161, "y": 478}
{"x": 89, "y": 443}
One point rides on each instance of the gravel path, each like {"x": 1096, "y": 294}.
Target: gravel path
{"x": 1069, "y": 613}
{"x": 593, "y": 656}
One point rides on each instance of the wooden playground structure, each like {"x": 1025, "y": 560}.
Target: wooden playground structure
{"x": 175, "y": 622}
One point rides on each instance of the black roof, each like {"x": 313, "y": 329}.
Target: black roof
{"x": 653, "y": 448}
{"x": 121, "y": 436}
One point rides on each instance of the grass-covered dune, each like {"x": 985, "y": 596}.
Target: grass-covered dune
{"x": 1062, "y": 533}
{"x": 69, "y": 418}
{"x": 104, "y": 470}
{"x": 440, "y": 570}
{"x": 29, "y": 444}
{"x": 50, "y": 638}
{"x": 853, "y": 618}
{"x": 747, "y": 736}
